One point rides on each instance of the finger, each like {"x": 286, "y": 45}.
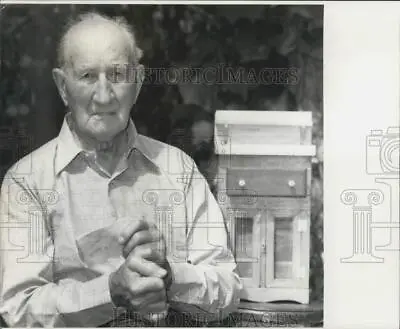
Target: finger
{"x": 149, "y": 251}
{"x": 145, "y": 267}
{"x": 138, "y": 238}
{"x": 134, "y": 226}
{"x": 143, "y": 286}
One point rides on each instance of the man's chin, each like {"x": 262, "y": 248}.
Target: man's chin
{"x": 105, "y": 133}
{"x": 104, "y": 137}
{"x": 102, "y": 134}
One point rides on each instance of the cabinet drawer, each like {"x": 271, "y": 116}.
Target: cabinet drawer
{"x": 267, "y": 182}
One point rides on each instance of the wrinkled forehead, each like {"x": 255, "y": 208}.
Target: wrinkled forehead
{"x": 96, "y": 44}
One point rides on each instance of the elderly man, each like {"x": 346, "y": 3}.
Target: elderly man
{"x": 106, "y": 219}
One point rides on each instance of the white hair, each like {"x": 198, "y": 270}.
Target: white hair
{"x": 135, "y": 53}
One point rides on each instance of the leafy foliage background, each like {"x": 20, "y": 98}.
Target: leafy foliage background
{"x": 171, "y": 36}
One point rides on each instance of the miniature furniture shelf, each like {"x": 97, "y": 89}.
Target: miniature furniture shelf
{"x": 263, "y": 188}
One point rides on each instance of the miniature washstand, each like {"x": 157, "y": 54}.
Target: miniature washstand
{"x": 263, "y": 188}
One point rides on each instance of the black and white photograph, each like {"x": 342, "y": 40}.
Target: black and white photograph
{"x": 161, "y": 165}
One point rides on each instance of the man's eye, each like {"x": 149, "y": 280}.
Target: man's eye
{"x": 88, "y": 76}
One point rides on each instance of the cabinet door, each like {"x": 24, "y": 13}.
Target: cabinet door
{"x": 287, "y": 239}
{"x": 246, "y": 234}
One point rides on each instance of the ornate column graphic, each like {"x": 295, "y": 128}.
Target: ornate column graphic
{"x": 244, "y": 208}
{"x": 164, "y": 202}
{"x": 393, "y": 225}
{"x": 37, "y": 230}
{"x": 362, "y": 225}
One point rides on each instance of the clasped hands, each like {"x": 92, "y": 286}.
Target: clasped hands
{"x": 140, "y": 283}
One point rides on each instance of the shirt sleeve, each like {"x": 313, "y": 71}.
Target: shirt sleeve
{"x": 28, "y": 295}
{"x": 206, "y": 285}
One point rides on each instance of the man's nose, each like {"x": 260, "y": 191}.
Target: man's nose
{"x": 103, "y": 90}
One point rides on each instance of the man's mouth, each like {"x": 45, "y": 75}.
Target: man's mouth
{"x": 103, "y": 114}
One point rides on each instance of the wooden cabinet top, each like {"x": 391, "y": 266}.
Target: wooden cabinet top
{"x": 280, "y": 133}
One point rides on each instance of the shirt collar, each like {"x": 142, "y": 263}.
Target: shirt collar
{"x": 68, "y": 147}
{"x": 135, "y": 142}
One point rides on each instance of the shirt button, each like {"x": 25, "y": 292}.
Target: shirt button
{"x": 131, "y": 152}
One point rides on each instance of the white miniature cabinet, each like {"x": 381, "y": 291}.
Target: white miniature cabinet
{"x": 263, "y": 187}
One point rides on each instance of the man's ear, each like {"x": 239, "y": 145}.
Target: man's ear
{"x": 139, "y": 78}
{"x": 59, "y": 79}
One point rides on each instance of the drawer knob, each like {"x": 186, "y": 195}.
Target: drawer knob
{"x": 291, "y": 183}
{"x": 263, "y": 248}
{"x": 242, "y": 183}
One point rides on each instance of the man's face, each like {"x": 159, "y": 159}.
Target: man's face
{"x": 95, "y": 86}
